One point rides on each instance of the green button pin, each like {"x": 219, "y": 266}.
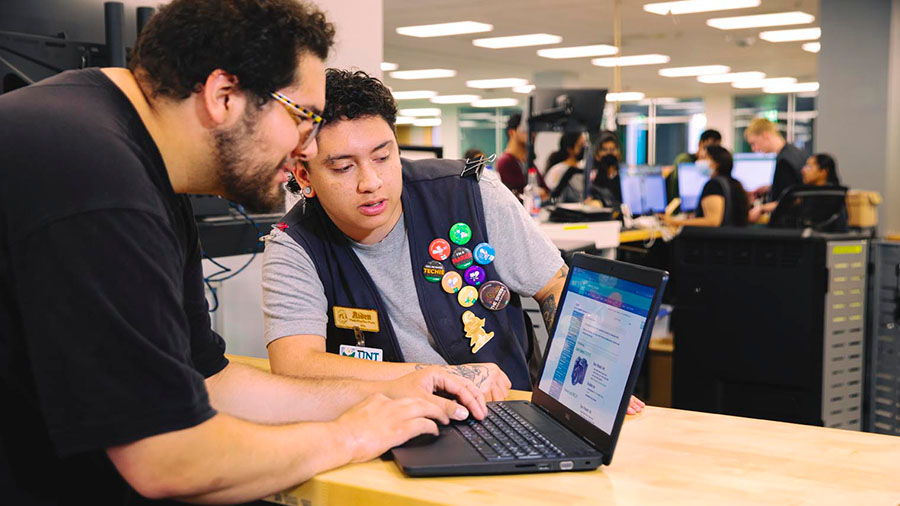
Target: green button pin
{"x": 460, "y": 233}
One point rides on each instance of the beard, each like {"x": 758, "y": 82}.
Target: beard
{"x": 245, "y": 181}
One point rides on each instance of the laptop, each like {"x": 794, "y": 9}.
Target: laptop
{"x": 600, "y": 334}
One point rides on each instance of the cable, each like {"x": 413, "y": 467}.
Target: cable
{"x": 223, "y": 273}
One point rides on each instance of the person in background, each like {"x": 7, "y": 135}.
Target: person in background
{"x": 723, "y": 201}
{"x": 764, "y": 137}
{"x": 821, "y": 170}
{"x": 510, "y": 165}
{"x": 607, "y": 158}
{"x": 565, "y": 174}
{"x": 474, "y": 154}
{"x": 707, "y": 138}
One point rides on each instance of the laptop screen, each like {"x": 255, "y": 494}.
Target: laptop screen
{"x": 593, "y": 348}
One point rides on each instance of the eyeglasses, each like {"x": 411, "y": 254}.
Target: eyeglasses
{"x": 298, "y": 114}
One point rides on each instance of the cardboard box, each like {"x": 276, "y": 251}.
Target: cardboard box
{"x": 862, "y": 208}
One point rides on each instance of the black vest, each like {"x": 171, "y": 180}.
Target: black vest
{"x": 434, "y": 198}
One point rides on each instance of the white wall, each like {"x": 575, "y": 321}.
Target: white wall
{"x": 359, "y": 44}
{"x": 859, "y": 112}
{"x": 720, "y": 116}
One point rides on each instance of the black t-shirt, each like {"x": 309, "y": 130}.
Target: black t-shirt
{"x": 104, "y": 330}
{"x": 732, "y": 201}
{"x": 788, "y": 170}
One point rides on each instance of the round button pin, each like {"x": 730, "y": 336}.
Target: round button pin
{"x": 467, "y": 296}
{"x": 461, "y": 258}
{"x": 433, "y": 271}
{"x": 451, "y": 282}
{"x": 460, "y": 233}
{"x": 439, "y": 249}
{"x": 475, "y": 275}
{"x": 494, "y": 295}
{"x": 484, "y": 253}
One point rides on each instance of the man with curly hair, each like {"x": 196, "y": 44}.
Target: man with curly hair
{"x": 114, "y": 383}
{"x": 360, "y": 239}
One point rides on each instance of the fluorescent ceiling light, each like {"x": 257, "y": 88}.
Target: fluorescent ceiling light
{"x": 627, "y": 61}
{"x": 506, "y": 82}
{"x": 812, "y": 47}
{"x": 424, "y": 111}
{"x": 526, "y": 89}
{"x": 466, "y": 123}
{"x": 496, "y": 102}
{"x": 762, "y": 83}
{"x": 387, "y": 66}
{"x": 412, "y": 95}
{"x": 761, "y": 20}
{"x": 791, "y": 35}
{"x": 694, "y": 71}
{"x": 454, "y": 99}
{"x": 404, "y": 120}
{"x": 444, "y": 29}
{"x": 427, "y": 122}
{"x": 693, "y": 6}
{"x": 731, "y": 77}
{"x": 578, "y": 51}
{"x": 532, "y": 39}
{"x": 625, "y": 96}
{"x": 423, "y": 74}
{"x": 792, "y": 88}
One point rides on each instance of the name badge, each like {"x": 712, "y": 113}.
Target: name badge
{"x": 355, "y": 318}
{"x": 361, "y": 352}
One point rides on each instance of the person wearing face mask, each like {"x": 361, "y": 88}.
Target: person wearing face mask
{"x": 723, "y": 201}
{"x": 707, "y": 138}
{"x": 565, "y": 174}
{"x": 605, "y": 185}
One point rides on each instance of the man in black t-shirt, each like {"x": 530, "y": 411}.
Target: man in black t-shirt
{"x": 764, "y": 137}
{"x": 114, "y": 385}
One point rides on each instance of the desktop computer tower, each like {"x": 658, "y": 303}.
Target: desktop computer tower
{"x": 883, "y": 366}
{"x": 770, "y": 324}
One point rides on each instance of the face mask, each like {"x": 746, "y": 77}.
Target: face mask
{"x": 580, "y": 155}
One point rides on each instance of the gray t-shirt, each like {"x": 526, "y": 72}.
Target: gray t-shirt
{"x": 294, "y": 300}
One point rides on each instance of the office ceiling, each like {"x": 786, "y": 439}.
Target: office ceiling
{"x": 685, "y": 38}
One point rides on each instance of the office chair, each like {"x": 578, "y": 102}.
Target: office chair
{"x": 821, "y": 208}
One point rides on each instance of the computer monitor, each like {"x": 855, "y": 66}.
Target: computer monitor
{"x": 654, "y": 191}
{"x": 643, "y": 189}
{"x": 630, "y": 181}
{"x": 754, "y": 170}
{"x": 691, "y": 179}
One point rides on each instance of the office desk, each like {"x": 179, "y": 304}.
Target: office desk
{"x": 664, "y": 456}
{"x": 639, "y": 235}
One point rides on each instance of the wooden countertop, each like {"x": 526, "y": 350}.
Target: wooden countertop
{"x": 664, "y": 456}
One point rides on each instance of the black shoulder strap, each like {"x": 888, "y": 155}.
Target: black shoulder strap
{"x": 564, "y": 182}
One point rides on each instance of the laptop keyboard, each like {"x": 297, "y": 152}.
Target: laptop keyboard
{"x": 505, "y": 435}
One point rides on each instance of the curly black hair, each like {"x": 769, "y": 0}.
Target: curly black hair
{"x": 258, "y": 41}
{"x": 353, "y": 94}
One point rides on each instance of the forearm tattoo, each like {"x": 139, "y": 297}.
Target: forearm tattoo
{"x": 548, "y": 310}
{"x": 548, "y": 306}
